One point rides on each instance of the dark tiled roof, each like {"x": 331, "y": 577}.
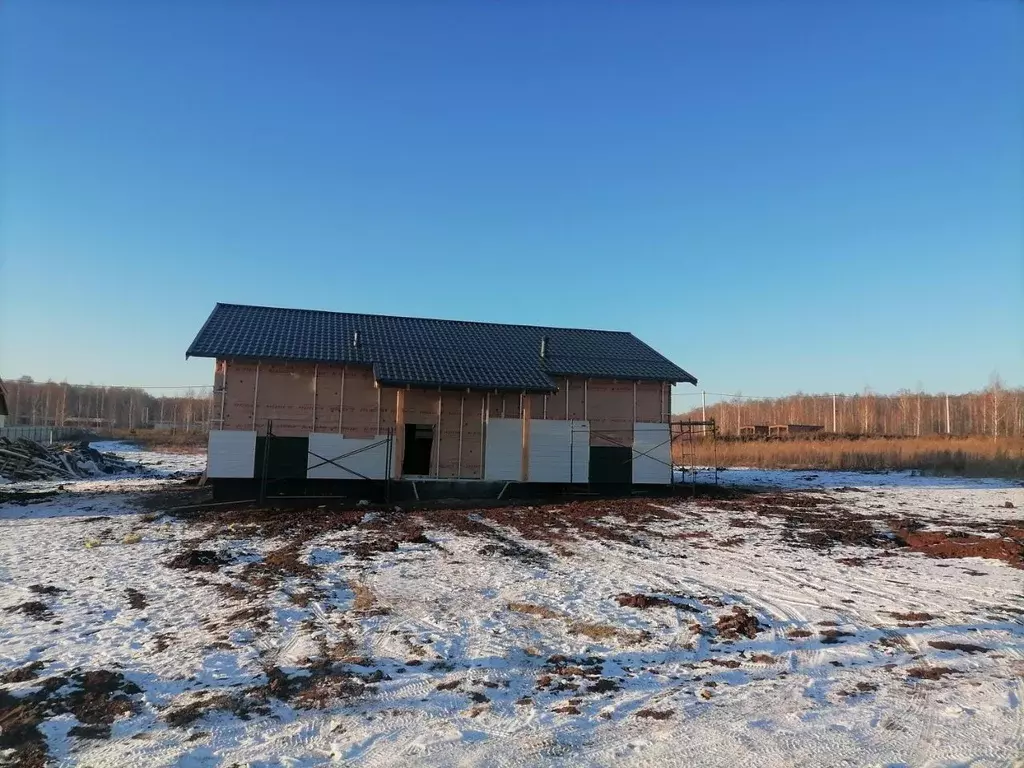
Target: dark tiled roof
{"x": 431, "y": 353}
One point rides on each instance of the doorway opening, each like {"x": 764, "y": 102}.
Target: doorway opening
{"x": 419, "y": 438}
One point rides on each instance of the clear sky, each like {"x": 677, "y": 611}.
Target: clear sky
{"x": 778, "y": 195}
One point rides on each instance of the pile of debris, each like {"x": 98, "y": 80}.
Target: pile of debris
{"x": 24, "y": 459}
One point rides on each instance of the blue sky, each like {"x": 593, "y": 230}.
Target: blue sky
{"x": 779, "y": 196}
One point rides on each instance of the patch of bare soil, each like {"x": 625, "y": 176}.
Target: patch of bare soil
{"x": 912, "y": 616}
{"x": 947, "y": 645}
{"x": 136, "y": 599}
{"x": 930, "y": 673}
{"x": 947, "y": 544}
{"x": 763, "y": 658}
{"x": 199, "y": 560}
{"x": 738, "y": 622}
{"x": 859, "y": 689}
{"x": 46, "y": 589}
{"x": 833, "y": 636}
{"x": 655, "y": 714}
{"x": 365, "y": 601}
{"x": 641, "y": 601}
{"x": 95, "y": 698}
{"x": 241, "y": 705}
{"x": 22, "y": 674}
{"x": 34, "y": 609}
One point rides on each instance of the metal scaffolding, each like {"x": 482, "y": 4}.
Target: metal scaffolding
{"x": 685, "y": 435}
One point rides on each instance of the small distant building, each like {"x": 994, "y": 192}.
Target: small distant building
{"x": 754, "y": 430}
{"x": 794, "y": 429}
{"x": 3, "y": 404}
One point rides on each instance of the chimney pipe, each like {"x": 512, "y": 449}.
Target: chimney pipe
{"x": 355, "y": 338}
{"x": 543, "y": 347}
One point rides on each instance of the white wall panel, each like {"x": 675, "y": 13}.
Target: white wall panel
{"x": 352, "y": 457}
{"x": 230, "y": 453}
{"x": 580, "y": 451}
{"x": 652, "y": 453}
{"x": 549, "y": 451}
{"x": 503, "y": 449}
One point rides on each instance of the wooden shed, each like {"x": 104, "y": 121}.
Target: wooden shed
{"x": 371, "y": 397}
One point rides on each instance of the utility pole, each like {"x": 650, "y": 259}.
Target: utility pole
{"x": 704, "y": 412}
{"x": 834, "y": 430}
{"x": 947, "y": 415}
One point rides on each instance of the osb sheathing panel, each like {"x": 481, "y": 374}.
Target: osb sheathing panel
{"x": 359, "y": 412}
{"x": 328, "y": 397}
{"x": 505, "y": 405}
{"x": 574, "y": 398}
{"x": 555, "y": 404}
{"x": 285, "y": 397}
{"x": 610, "y": 412}
{"x": 648, "y": 401}
{"x": 472, "y": 435}
{"x": 453, "y": 437}
{"x": 238, "y": 397}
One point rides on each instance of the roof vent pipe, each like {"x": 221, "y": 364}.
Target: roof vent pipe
{"x": 355, "y": 338}
{"x": 543, "y": 347}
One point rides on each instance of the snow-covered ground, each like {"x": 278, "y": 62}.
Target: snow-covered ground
{"x": 495, "y": 637}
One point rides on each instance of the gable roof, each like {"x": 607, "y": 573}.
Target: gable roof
{"x": 409, "y": 351}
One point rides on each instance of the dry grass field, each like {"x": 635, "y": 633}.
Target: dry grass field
{"x": 964, "y": 456}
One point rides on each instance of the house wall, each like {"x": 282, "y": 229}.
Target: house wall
{"x": 303, "y": 398}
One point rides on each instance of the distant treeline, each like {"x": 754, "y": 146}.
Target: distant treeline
{"x": 994, "y": 411}
{"x": 60, "y": 404}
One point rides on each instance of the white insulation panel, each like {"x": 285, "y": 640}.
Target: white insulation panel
{"x": 549, "y": 451}
{"x": 580, "y": 451}
{"x": 230, "y": 453}
{"x": 335, "y": 457}
{"x": 503, "y": 449}
{"x": 652, "y": 453}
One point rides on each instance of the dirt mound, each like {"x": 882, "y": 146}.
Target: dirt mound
{"x": 199, "y": 560}
{"x": 947, "y": 544}
{"x": 739, "y": 622}
{"x": 136, "y": 599}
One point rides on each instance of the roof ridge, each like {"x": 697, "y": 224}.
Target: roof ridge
{"x": 431, "y": 319}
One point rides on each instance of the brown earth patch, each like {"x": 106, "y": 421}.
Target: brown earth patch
{"x": 642, "y": 601}
{"x": 763, "y": 658}
{"x": 198, "y": 560}
{"x": 946, "y": 645}
{"x": 930, "y": 673}
{"x": 22, "y": 674}
{"x": 738, "y": 622}
{"x": 799, "y": 633}
{"x": 912, "y": 616}
{"x": 833, "y": 636}
{"x": 96, "y": 698}
{"x": 46, "y": 589}
{"x": 136, "y": 599}
{"x": 654, "y": 714}
{"x": 730, "y": 663}
{"x": 449, "y": 686}
{"x": 34, "y": 609}
{"x": 948, "y": 544}
{"x": 365, "y": 600}
{"x": 568, "y": 709}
